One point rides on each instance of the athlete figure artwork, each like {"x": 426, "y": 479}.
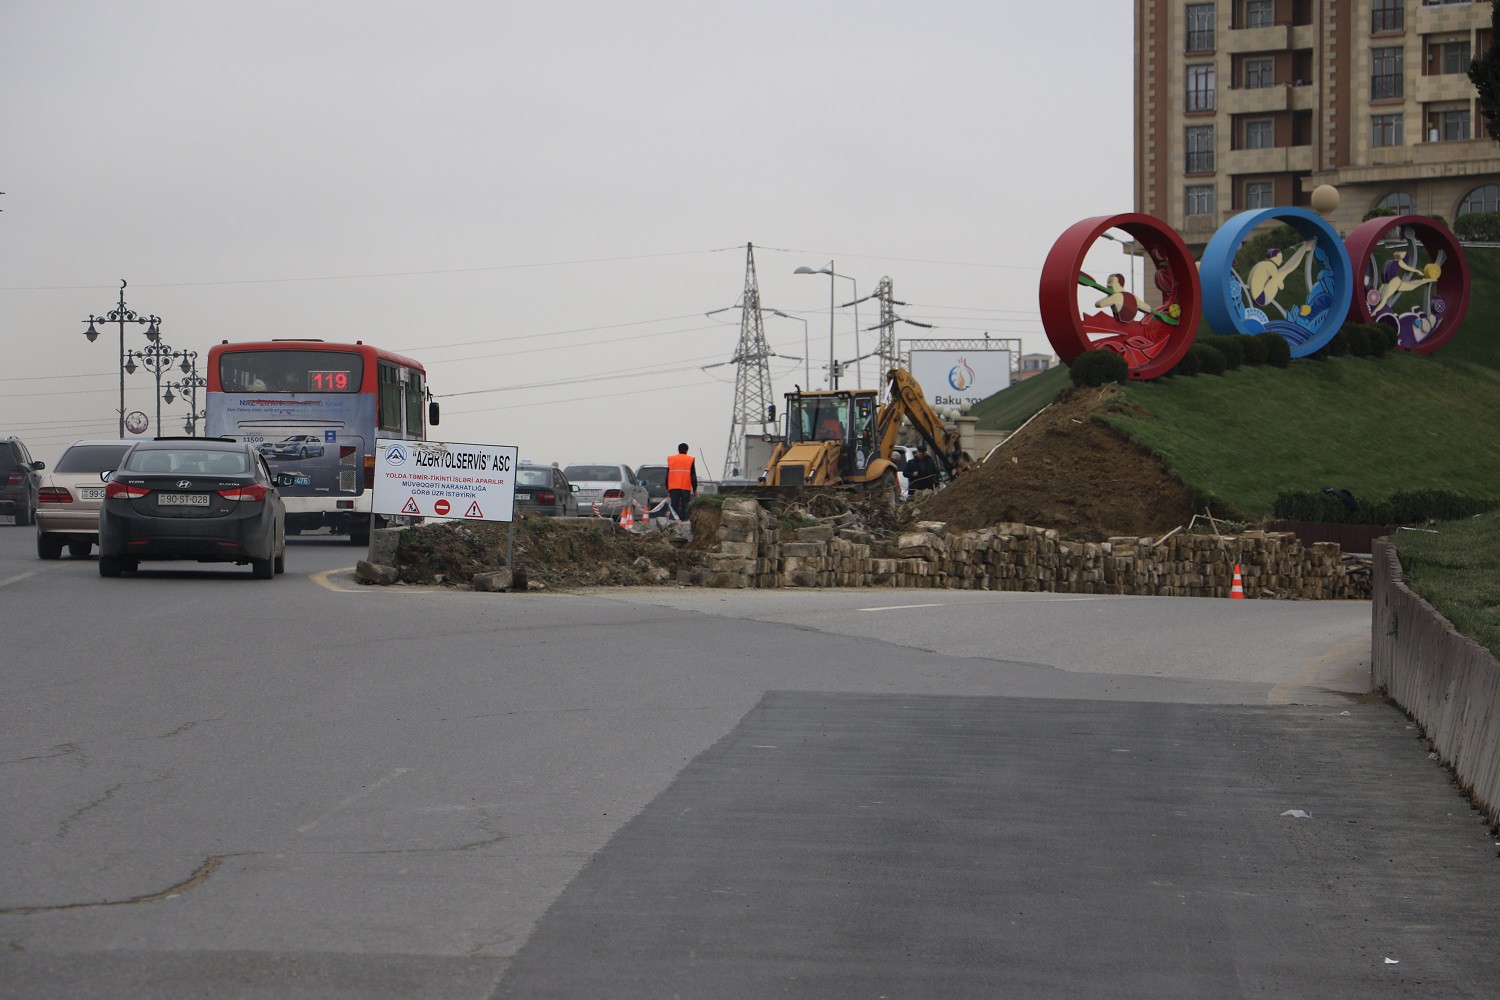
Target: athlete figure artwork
{"x": 1256, "y": 299}
{"x": 1387, "y": 285}
{"x": 1130, "y": 328}
{"x": 1268, "y": 277}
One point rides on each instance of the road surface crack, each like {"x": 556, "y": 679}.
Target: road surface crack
{"x": 109, "y": 793}
{"x": 197, "y": 878}
{"x": 61, "y": 750}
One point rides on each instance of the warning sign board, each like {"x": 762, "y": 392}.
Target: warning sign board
{"x": 445, "y": 479}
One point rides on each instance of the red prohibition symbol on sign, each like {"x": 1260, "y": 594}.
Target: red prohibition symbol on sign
{"x": 440, "y": 508}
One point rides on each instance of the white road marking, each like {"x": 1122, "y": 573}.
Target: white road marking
{"x": 900, "y": 607}
{"x": 17, "y": 578}
{"x": 1050, "y": 599}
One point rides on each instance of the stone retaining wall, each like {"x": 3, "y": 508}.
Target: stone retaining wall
{"x": 1448, "y": 683}
{"x": 753, "y": 551}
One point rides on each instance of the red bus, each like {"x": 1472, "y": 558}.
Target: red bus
{"x": 314, "y": 409}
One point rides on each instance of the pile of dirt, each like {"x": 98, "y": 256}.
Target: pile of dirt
{"x": 1067, "y": 471}
{"x": 554, "y": 553}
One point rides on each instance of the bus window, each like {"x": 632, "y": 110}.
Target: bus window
{"x": 389, "y": 403}
{"x": 414, "y": 399}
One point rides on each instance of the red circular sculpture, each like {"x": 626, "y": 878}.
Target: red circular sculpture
{"x": 1423, "y": 302}
{"x": 1150, "y": 340}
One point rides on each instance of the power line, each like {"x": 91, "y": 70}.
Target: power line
{"x": 579, "y": 399}
{"x": 554, "y": 333}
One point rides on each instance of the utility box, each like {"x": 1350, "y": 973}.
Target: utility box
{"x": 758, "y": 451}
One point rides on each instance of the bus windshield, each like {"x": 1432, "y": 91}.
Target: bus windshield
{"x": 291, "y": 371}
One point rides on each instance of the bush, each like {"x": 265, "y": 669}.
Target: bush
{"x": 1210, "y": 359}
{"x": 1378, "y": 213}
{"x": 1254, "y": 350}
{"x": 1187, "y": 366}
{"x": 1414, "y": 507}
{"x": 1337, "y": 347}
{"x": 1478, "y": 227}
{"x": 1357, "y": 335}
{"x": 1098, "y": 368}
{"x": 1231, "y": 347}
{"x": 1278, "y": 351}
{"x": 1375, "y": 336}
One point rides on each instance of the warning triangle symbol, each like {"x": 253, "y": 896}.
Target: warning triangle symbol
{"x": 474, "y": 510}
{"x": 411, "y": 506}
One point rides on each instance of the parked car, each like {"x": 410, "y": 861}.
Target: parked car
{"x": 20, "y": 478}
{"x": 209, "y": 499}
{"x": 296, "y": 446}
{"x": 71, "y": 494}
{"x": 541, "y": 489}
{"x": 611, "y": 487}
{"x": 654, "y": 478}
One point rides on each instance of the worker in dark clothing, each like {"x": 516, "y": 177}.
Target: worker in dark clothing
{"x": 682, "y": 480}
{"x": 922, "y": 471}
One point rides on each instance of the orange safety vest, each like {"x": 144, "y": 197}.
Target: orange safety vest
{"x": 680, "y": 472}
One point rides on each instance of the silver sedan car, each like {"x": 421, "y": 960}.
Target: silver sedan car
{"x": 67, "y": 509}
{"x": 607, "y": 487}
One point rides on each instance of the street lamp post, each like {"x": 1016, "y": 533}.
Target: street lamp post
{"x": 833, "y": 367}
{"x": 187, "y": 387}
{"x": 156, "y": 358}
{"x": 806, "y": 345}
{"x": 122, "y": 315}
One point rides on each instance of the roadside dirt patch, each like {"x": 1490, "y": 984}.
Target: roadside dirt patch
{"x": 558, "y": 554}
{"x": 1069, "y": 472}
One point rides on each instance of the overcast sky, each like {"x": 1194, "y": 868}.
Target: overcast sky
{"x": 536, "y": 199}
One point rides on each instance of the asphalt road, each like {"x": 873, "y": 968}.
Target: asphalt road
{"x": 216, "y": 786}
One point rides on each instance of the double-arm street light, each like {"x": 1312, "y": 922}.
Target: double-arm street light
{"x": 122, "y": 315}
{"x": 187, "y": 387}
{"x": 156, "y": 358}
{"x": 833, "y": 365}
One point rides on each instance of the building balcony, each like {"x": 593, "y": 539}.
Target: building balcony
{"x": 1256, "y": 100}
{"x": 1417, "y": 161}
{"x": 1447, "y": 17}
{"x": 1276, "y": 38}
{"x": 1304, "y": 36}
{"x": 1276, "y": 160}
{"x": 1444, "y": 87}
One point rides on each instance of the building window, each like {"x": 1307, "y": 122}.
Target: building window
{"x": 1200, "y": 87}
{"x": 1448, "y": 124}
{"x": 1200, "y": 27}
{"x": 1200, "y": 149}
{"x": 1260, "y": 133}
{"x": 1448, "y": 57}
{"x": 1385, "y": 73}
{"x": 1200, "y": 199}
{"x": 1260, "y": 72}
{"x": 1485, "y": 198}
{"x": 1399, "y": 202}
{"x": 1260, "y": 194}
{"x": 1385, "y": 130}
{"x": 1387, "y": 15}
{"x": 1260, "y": 13}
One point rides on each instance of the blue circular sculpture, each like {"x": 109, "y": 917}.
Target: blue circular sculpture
{"x": 1256, "y": 301}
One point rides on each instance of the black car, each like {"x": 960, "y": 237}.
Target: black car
{"x": 208, "y": 499}
{"x": 654, "y": 478}
{"x": 541, "y": 489}
{"x": 20, "y": 478}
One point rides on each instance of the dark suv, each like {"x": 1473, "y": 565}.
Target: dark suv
{"x": 20, "y": 477}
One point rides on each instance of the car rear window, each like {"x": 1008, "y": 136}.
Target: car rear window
{"x": 595, "y": 473}
{"x": 534, "y": 477}
{"x": 92, "y": 458}
{"x": 652, "y": 475}
{"x": 187, "y": 461}
{"x": 7, "y": 458}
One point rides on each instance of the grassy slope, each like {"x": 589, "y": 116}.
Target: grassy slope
{"x": 1372, "y": 426}
{"x": 1010, "y": 408}
{"x": 1455, "y": 572}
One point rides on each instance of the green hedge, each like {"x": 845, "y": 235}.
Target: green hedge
{"x": 1478, "y": 227}
{"x": 1099, "y": 367}
{"x": 1414, "y": 507}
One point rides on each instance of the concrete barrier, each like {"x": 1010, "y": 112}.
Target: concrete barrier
{"x": 1449, "y": 684}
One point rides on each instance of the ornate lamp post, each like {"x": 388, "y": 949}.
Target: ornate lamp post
{"x": 187, "y": 387}
{"x": 156, "y": 358}
{"x": 122, "y": 315}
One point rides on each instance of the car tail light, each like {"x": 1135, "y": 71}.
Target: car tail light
{"x": 14, "y": 479}
{"x": 613, "y": 495}
{"x": 546, "y": 496}
{"x": 53, "y": 494}
{"x": 255, "y": 491}
{"x": 123, "y": 490}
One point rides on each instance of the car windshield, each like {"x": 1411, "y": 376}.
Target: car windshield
{"x": 595, "y": 473}
{"x": 534, "y": 477}
{"x": 187, "y": 461}
{"x": 652, "y": 475}
{"x": 92, "y": 458}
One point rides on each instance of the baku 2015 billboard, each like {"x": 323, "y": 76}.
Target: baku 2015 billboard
{"x": 1407, "y": 272}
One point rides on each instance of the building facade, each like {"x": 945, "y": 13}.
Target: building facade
{"x": 1245, "y": 104}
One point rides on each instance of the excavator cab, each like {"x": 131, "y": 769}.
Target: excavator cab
{"x": 847, "y": 418}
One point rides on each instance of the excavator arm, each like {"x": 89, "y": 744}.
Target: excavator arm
{"x": 907, "y": 401}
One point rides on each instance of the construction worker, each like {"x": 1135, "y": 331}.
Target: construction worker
{"x": 922, "y": 471}
{"x": 682, "y": 480}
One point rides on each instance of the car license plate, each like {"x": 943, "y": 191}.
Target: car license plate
{"x": 182, "y": 499}
{"x": 91, "y": 493}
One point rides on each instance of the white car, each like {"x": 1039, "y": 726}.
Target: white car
{"x": 68, "y": 502}
{"x": 608, "y": 485}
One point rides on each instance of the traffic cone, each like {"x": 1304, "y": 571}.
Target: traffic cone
{"x": 627, "y": 518}
{"x": 646, "y": 514}
{"x": 1237, "y": 589}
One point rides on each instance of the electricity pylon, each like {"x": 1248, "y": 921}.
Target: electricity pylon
{"x": 752, "y": 373}
{"x": 887, "y": 351}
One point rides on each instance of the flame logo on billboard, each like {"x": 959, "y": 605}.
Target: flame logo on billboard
{"x": 961, "y": 376}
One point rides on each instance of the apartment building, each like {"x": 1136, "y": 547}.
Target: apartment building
{"x": 1245, "y": 104}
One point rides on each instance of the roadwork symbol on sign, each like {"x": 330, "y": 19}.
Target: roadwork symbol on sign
{"x": 440, "y": 508}
{"x": 411, "y": 506}
{"x": 474, "y": 510}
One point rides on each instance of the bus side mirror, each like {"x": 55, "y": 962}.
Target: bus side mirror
{"x": 432, "y": 413}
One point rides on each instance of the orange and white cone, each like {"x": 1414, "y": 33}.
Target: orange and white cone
{"x": 627, "y": 517}
{"x": 1237, "y": 589}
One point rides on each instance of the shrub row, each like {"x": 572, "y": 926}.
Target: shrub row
{"x": 1360, "y": 340}
{"x": 1214, "y": 355}
{"x": 1414, "y": 507}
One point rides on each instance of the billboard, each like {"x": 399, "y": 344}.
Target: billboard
{"x": 953, "y": 378}
{"x": 445, "y": 479}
